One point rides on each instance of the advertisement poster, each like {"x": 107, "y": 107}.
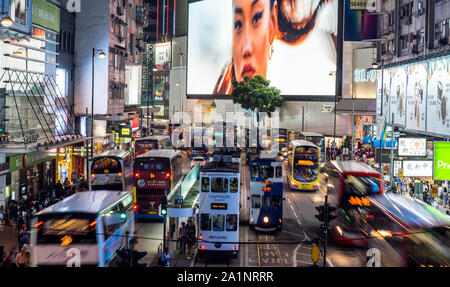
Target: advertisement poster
{"x": 412, "y": 147}
{"x": 442, "y": 160}
{"x": 398, "y": 95}
{"x": 162, "y": 55}
{"x": 438, "y": 118}
{"x": 386, "y": 114}
{"x": 231, "y": 39}
{"x": 416, "y": 97}
{"x": 418, "y": 168}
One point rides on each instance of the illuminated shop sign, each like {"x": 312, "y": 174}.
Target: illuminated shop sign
{"x": 363, "y": 75}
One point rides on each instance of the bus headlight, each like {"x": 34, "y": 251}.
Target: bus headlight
{"x": 266, "y": 219}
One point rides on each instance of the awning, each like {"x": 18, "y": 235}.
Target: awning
{"x": 362, "y": 106}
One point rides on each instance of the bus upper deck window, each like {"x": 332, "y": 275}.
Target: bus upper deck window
{"x": 255, "y": 173}
{"x": 219, "y": 184}
{"x": 205, "y": 221}
{"x": 266, "y": 171}
{"x": 279, "y": 171}
{"x": 205, "y": 184}
{"x": 234, "y": 185}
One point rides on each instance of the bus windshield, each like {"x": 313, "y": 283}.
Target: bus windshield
{"x": 106, "y": 165}
{"x": 361, "y": 185}
{"x": 69, "y": 228}
{"x": 306, "y": 167}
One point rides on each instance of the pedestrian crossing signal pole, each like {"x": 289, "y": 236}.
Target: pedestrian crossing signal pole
{"x": 325, "y": 231}
{"x": 164, "y": 214}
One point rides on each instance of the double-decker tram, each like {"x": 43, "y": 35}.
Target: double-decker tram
{"x": 146, "y": 144}
{"x": 218, "y": 232}
{"x": 303, "y": 166}
{"x": 87, "y": 228}
{"x": 350, "y": 186}
{"x": 155, "y": 172}
{"x": 111, "y": 170}
{"x": 266, "y": 192}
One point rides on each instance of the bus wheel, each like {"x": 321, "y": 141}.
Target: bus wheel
{"x": 252, "y": 227}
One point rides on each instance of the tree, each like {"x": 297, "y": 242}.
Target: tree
{"x": 255, "y": 94}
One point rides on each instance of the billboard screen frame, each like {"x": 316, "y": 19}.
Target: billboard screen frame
{"x": 434, "y": 161}
{"x": 306, "y": 98}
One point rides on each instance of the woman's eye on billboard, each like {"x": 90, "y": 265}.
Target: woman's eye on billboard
{"x": 244, "y": 38}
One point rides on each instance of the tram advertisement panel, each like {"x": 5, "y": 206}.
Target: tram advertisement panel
{"x": 416, "y": 97}
{"x": 398, "y": 95}
{"x": 438, "y": 118}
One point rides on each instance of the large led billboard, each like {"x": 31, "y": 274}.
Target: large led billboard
{"x": 442, "y": 160}
{"x": 291, "y": 43}
{"x": 438, "y": 118}
{"x": 416, "y": 101}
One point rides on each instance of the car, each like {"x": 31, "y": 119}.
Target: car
{"x": 198, "y": 160}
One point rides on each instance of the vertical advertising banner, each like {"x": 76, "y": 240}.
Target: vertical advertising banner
{"x": 438, "y": 118}
{"x": 398, "y": 95}
{"x": 379, "y": 93}
{"x": 416, "y": 97}
{"x": 386, "y": 95}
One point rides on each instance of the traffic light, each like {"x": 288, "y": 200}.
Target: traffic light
{"x": 151, "y": 132}
{"x": 164, "y": 205}
{"x": 330, "y": 210}
{"x": 321, "y": 215}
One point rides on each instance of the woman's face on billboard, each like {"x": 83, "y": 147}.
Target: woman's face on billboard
{"x": 254, "y": 30}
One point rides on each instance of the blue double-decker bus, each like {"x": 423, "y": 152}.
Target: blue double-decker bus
{"x": 266, "y": 192}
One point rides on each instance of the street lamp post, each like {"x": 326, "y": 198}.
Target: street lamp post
{"x": 101, "y": 55}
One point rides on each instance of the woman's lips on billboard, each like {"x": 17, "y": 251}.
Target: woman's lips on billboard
{"x": 248, "y": 70}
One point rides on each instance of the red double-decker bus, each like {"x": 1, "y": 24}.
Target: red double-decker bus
{"x": 351, "y": 185}
{"x": 154, "y": 172}
{"x": 146, "y": 144}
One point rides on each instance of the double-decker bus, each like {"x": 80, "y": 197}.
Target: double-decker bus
{"x": 303, "y": 166}
{"x": 350, "y": 184}
{"x": 91, "y": 226}
{"x": 111, "y": 170}
{"x": 218, "y": 232}
{"x": 408, "y": 232}
{"x": 318, "y": 140}
{"x": 146, "y": 144}
{"x": 155, "y": 172}
{"x": 266, "y": 192}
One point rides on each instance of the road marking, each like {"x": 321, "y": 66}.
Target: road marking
{"x": 292, "y": 208}
{"x": 284, "y": 231}
{"x": 295, "y": 214}
{"x": 289, "y": 200}
{"x": 298, "y": 220}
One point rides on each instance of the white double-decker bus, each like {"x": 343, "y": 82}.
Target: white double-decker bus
{"x": 218, "y": 232}
{"x": 85, "y": 229}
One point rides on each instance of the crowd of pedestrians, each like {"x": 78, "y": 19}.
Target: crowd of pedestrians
{"x": 18, "y": 214}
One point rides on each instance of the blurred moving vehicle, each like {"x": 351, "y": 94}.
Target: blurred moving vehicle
{"x": 303, "y": 166}
{"x": 90, "y": 226}
{"x": 408, "y": 232}
{"x": 349, "y": 184}
{"x": 198, "y": 160}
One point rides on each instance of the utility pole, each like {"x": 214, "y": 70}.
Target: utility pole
{"x": 165, "y": 221}
{"x": 353, "y": 128}
{"x": 392, "y": 153}
{"x": 325, "y": 231}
